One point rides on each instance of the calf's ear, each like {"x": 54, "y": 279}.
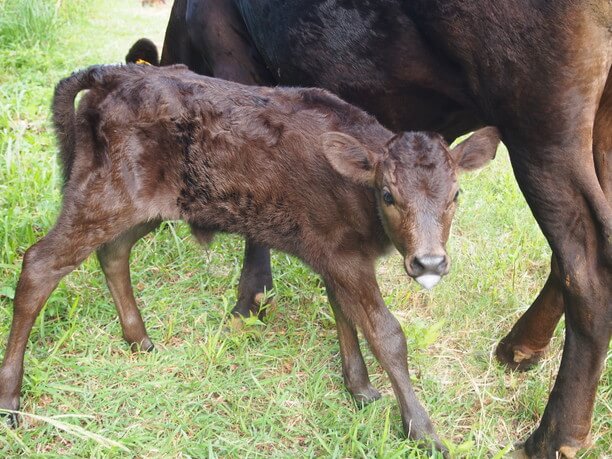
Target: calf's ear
{"x": 476, "y": 151}
{"x": 349, "y": 157}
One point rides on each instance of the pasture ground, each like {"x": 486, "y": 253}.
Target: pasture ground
{"x": 267, "y": 390}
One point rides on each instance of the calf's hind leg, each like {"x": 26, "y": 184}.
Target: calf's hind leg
{"x": 73, "y": 238}
{"x": 354, "y": 370}
{"x": 114, "y": 257}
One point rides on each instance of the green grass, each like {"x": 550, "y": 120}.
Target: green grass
{"x": 272, "y": 390}
{"x": 36, "y": 22}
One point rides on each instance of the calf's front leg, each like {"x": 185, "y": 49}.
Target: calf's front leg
{"x": 358, "y": 297}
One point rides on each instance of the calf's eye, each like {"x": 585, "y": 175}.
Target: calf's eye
{"x": 456, "y": 198}
{"x": 387, "y": 197}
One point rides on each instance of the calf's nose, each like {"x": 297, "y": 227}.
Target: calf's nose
{"x": 427, "y": 270}
{"x": 428, "y": 264}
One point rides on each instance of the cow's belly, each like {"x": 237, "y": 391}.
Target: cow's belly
{"x": 373, "y": 58}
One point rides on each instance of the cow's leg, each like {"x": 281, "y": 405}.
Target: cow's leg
{"x": 354, "y": 370}
{"x": 358, "y": 296}
{"x": 578, "y": 224}
{"x": 218, "y": 35}
{"x": 602, "y": 141}
{"x": 529, "y": 338}
{"x": 561, "y": 186}
{"x": 255, "y": 280}
{"x": 114, "y": 259}
{"x": 44, "y": 264}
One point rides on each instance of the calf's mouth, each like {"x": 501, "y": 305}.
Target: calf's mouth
{"x": 428, "y": 269}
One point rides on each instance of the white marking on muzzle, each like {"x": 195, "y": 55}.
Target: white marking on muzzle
{"x": 428, "y": 281}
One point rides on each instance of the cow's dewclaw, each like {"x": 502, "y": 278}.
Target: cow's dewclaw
{"x": 519, "y": 356}
{"x": 568, "y": 452}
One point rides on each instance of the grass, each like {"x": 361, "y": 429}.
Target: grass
{"x": 272, "y": 390}
{"x": 36, "y": 22}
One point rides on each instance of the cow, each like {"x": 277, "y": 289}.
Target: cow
{"x": 295, "y": 169}
{"x": 538, "y": 70}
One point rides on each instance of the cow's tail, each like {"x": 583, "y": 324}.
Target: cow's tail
{"x": 64, "y": 111}
{"x": 143, "y": 51}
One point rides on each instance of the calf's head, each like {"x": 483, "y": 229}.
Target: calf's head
{"x": 414, "y": 177}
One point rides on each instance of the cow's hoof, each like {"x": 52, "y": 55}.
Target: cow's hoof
{"x": 144, "y": 345}
{"x": 543, "y": 444}
{"x": 565, "y": 452}
{"x": 518, "y": 453}
{"x": 258, "y": 306}
{"x": 13, "y": 420}
{"x": 517, "y": 357}
{"x": 9, "y": 404}
{"x": 365, "y": 396}
{"x": 235, "y": 323}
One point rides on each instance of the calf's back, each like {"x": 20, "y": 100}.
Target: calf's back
{"x": 228, "y": 157}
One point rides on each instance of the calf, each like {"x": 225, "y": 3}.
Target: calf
{"x": 298, "y": 170}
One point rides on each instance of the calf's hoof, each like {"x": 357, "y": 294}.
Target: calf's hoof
{"x": 517, "y": 357}
{"x": 365, "y": 395}
{"x": 144, "y": 345}
{"x": 421, "y": 431}
{"x": 433, "y": 445}
{"x": 11, "y": 419}
{"x": 10, "y": 404}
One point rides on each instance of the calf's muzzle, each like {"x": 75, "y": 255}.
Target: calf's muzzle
{"x": 428, "y": 269}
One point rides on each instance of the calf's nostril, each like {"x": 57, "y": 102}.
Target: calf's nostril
{"x": 416, "y": 266}
{"x": 435, "y": 264}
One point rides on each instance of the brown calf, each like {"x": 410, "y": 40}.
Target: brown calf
{"x": 294, "y": 169}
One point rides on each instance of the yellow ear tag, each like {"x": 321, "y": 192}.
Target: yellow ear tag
{"x": 143, "y": 62}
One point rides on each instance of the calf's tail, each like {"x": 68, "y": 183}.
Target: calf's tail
{"x": 64, "y": 112}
